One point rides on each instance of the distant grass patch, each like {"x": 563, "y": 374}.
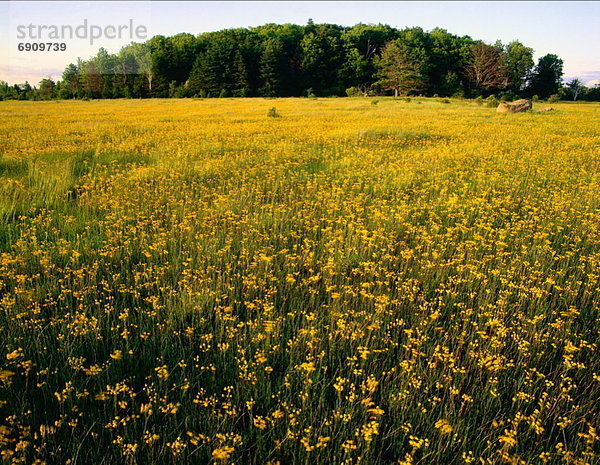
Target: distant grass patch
{"x": 399, "y": 136}
{"x": 12, "y": 167}
{"x": 52, "y": 179}
{"x": 88, "y": 161}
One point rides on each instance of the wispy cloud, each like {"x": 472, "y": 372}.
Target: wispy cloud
{"x": 589, "y": 78}
{"x": 32, "y": 74}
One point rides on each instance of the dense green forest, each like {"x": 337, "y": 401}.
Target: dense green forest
{"x": 312, "y": 60}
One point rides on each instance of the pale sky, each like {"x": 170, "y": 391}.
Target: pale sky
{"x": 568, "y": 29}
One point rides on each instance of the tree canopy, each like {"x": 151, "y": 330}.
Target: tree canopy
{"x": 401, "y": 67}
{"x": 316, "y": 59}
{"x": 547, "y": 77}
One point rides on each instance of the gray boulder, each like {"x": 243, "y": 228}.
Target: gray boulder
{"x": 517, "y": 106}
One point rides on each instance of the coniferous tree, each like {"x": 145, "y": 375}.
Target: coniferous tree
{"x": 92, "y": 81}
{"x": 400, "y": 68}
{"x": 71, "y": 79}
{"x": 547, "y": 76}
{"x": 241, "y": 82}
{"x": 272, "y": 68}
{"x": 47, "y": 89}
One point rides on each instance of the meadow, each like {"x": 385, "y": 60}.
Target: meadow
{"x": 353, "y": 281}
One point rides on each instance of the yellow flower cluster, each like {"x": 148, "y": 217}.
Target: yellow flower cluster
{"x": 194, "y": 282}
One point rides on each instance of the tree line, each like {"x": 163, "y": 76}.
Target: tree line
{"x": 285, "y": 60}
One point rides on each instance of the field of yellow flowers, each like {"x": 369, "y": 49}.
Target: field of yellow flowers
{"x": 349, "y": 282}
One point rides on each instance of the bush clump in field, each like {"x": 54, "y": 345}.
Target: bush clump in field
{"x": 354, "y": 92}
{"x": 508, "y": 96}
{"x": 492, "y": 101}
{"x": 554, "y": 98}
{"x": 272, "y": 113}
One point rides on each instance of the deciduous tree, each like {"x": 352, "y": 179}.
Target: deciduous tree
{"x": 486, "y": 68}
{"x": 519, "y": 63}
